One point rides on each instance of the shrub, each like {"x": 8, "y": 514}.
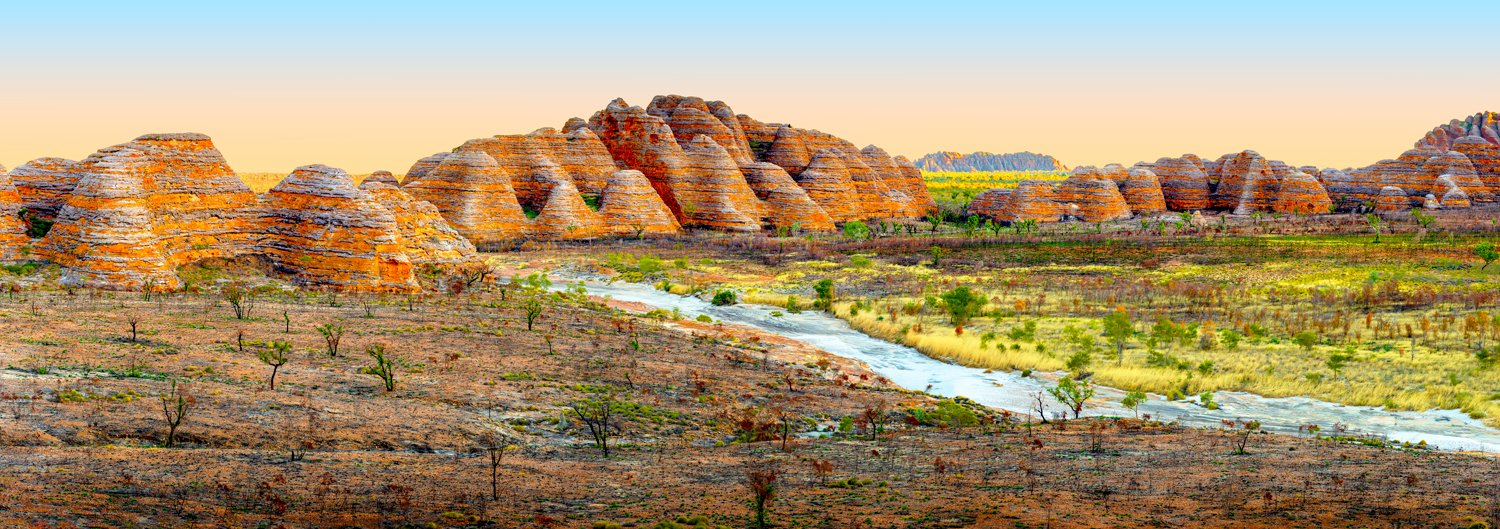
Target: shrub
{"x": 725, "y": 297}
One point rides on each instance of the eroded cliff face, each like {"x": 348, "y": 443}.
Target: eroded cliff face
{"x": 140, "y": 210}
{"x": 14, "y": 243}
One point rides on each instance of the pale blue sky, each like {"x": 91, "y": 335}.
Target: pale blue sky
{"x": 372, "y": 85}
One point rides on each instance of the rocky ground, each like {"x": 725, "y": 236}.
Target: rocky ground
{"x": 697, "y": 407}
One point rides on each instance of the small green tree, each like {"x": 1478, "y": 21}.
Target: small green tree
{"x": 384, "y": 368}
{"x": 1072, "y": 393}
{"x": 824, "y": 291}
{"x": 937, "y": 254}
{"x": 1486, "y": 252}
{"x": 1373, "y": 220}
{"x": 1337, "y": 362}
{"x": 1133, "y": 401}
{"x": 856, "y": 231}
{"x": 962, "y": 305}
{"x": 1306, "y": 340}
{"x": 332, "y": 334}
{"x": 532, "y": 307}
{"x": 276, "y": 355}
{"x": 725, "y": 297}
{"x": 1118, "y": 328}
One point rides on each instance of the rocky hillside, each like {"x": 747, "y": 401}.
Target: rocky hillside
{"x": 1455, "y": 166}
{"x": 988, "y": 161}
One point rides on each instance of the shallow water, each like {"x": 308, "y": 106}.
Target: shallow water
{"x": 909, "y": 368}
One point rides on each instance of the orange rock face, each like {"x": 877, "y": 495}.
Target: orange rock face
{"x": 826, "y": 181}
{"x": 690, "y": 117}
{"x": 567, "y": 216}
{"x": 473, "y": 193}
{"x": 537, "y": 160}
{"x": 1032, "y": 200}
{"x": 1460, "y": 171}
{"x": 422, "y": 167}
{"x": 13, "y": 236}
{"x": 990, "y": 204}
{"x": 144, "y": 208}
{"x": 1299, "y": 193}
{"x": 382, "y": 177}
{"x": 912, "y": 183}
{"x": 1247, "y": 184}
{"x": 1485, "y": 157}
{"x": 1098, "y": 198}
{"x": 713, "y": 193}
{"x": 44, "y": 184}
{"x": 630, "y": 207}
{"x": 786, "y": 203}
{"x": 321, "y": 229}
{"x": 421, "y": 230}
{"x": 1142, "y": 191}
{"x": 1392, "y": 199}
{"x": 1184, "y": 187}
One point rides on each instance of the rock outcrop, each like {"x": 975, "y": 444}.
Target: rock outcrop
{"x": 1247, "y": 184}
{"x": 422, "y": 167}
{"x": 1484, "y": 126}
{"x": 914, "y": 185}
{"x": 13, "y": 238}
{"x": 712, "y": 192}
{"x": 826, "y": 181}
{"x": 629, "y": 207}
{"x": 382, "y": 177}
{"x": 786, "y": 203}
{"x": 1485, "y": 157}
{"x": 321, "y": 229}
{"x": 1392, "y": 199}
{"x": 990, "y": 204}
{"x": 1301, "y": 194}
{"x": 566, "y": 216}
{"x": 1098, "y": 198}
{"x": 474, "y": 194}
{"x": 144, "y": 208}
{"x": 421, "y": 230}
{"x": 1032, "y": 200}
{"x": 987, "y": 161}
{"x": 43, "y": 184}
{"x": 1453, "y": 195}
{"x": 1142, "y": 191}
{"x": 1184, "y": 187}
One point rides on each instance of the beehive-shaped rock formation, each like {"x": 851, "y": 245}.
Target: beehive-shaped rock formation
{"x": 1299, "y": 193}
{"x": 989, "y": 204}
{"x": 629, "y": 207}
{"x": 1453, "y": 195}
{"x": 1098, "y": 198}
{"x": 1460, "y": 171}
{"x": 567, "y": 216}
{"x": 1184, "y": 187}
{"x": 321, "y": 229}
{"x": 1484, "y": 125}
{"x": 1032, "y": 200}
{"x": 690, "y": 117}
{"x": 713, "y": 193}
{"x": 13, "y": 236}
{"x": 1142, "y": 191}
{"x": 787, "y": 204}
{"x": 421, "y": 230}
{"x": 1392, "y": 199}
{"x": 43, "y": 184}
{"x": 382, "y": 177}
{"x": 474, "y": 194}
{"x": 422, "y": 167}
{"x": 1485, "y": 157}
{"x": 1247, "y": 183}
{"x": 826, "y": 181}
{"x": 912, "y": 183}
{"x": 144, "y": 208}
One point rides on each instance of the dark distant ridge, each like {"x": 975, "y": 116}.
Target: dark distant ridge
{"x": 988, "y": 161}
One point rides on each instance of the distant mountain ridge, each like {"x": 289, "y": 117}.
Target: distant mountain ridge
{"x": 988, "y": 161}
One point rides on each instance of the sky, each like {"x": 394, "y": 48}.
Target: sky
{"x": 375, "y": 85}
